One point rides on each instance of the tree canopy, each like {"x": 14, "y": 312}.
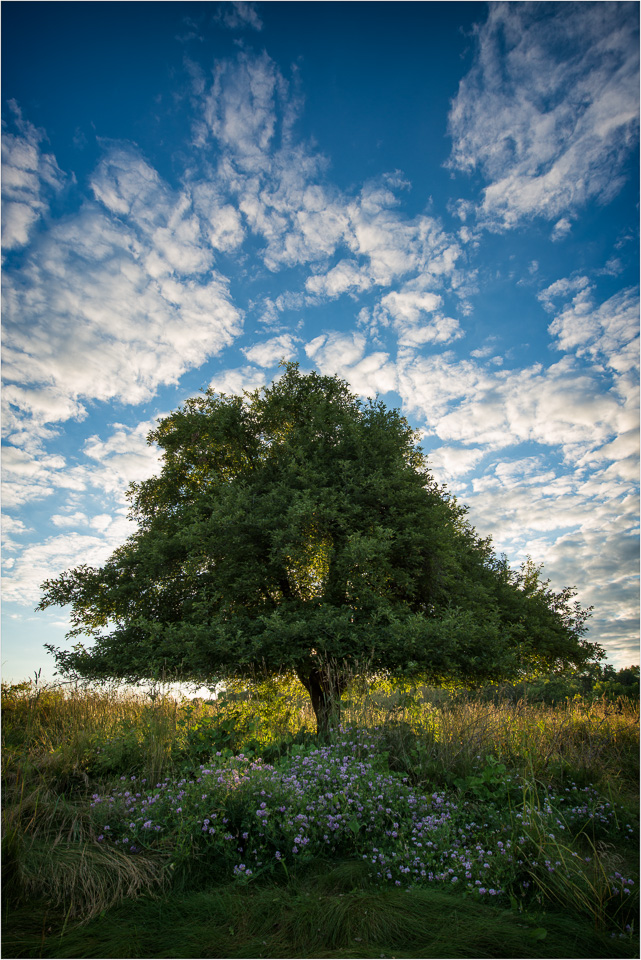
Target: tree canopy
{"x": 298, "y": 528}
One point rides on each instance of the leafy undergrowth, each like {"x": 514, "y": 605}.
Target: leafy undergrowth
{"x": 497, "y": 836}
{"x": 193, "y": 830}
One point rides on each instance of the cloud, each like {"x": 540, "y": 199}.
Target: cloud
{"x": 220, "y": 221}
{"x": 345, "y": 355}
{"x": 248, "y": 113}
{"x": 124, "y": 457}
{"x": 42, "y": 561}
{"x": 562, "y": 228}
{"x": 239, "y": 110}
{"x": 608, "y": 332}
{"x": 26, "y": 477}
{"x": 569, "y": 405}
{"x": 269, "y": 352}
{"x": 70, "y": 519}
{"x": 115, "y": 300}
{"x": 549, "y": 111}
{"x": 13, "y": 525}
{"x": 239, "y": 16}
{"x": 407, "y": 311}
{"x": 110, "y": 466}
{"x": 29, "y": 178}
{"x": 584, "y": 531}
{"x": 452, "y": 463}
{"x": 235, "y": 382}
{"x": 345, "y": 277}
{"x": 353, "y": 241}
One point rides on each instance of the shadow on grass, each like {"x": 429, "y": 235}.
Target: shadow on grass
{"x": 333, "y": 914}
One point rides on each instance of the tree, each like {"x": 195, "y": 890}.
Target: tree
{"x": 298, "y": 528}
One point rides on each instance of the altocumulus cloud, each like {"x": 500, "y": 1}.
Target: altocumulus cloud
{"x": 550, "y": 110}
{"x": 29, "y": 178}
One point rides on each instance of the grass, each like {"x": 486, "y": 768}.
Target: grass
{"x": 331, "y": 915}
{"x": 534, "y": 806}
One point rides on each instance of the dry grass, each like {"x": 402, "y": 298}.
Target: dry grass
{"x": 60, "y": 746}
{"x": 592, "y": 742}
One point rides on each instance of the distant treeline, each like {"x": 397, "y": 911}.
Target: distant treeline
{"x": 593, "y": 683}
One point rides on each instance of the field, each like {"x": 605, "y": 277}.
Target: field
{"x": 427, "y": 824}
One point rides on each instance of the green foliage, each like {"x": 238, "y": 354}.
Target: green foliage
{"x": 298, "y": 529}
{"x": 592, "y": 682}
{"x": 492, "y": 783}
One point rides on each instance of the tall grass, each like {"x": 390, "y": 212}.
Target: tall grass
{"x": 591, "y": 742}
{"x": 61, "y": 746}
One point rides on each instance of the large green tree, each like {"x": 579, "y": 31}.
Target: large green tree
{"x": 297, "y": 528}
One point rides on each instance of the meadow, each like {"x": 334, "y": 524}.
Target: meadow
{"x": 429, "y": 823}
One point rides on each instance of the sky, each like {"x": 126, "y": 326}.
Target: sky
{"x": 436, "y": 201}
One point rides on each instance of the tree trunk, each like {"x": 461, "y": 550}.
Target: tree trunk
{"x": 324, "y": 689}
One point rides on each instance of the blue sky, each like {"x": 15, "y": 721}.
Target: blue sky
{"x": 437, "y": 201}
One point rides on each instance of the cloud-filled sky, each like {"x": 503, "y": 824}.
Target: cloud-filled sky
{"x": 437, "y": 201}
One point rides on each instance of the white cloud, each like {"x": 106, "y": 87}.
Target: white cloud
{"x": 269, "y": 352}
{"x": 13, "y": 525}
{"x": 281, "y": 192}
{"x": 346, "y": 277}
{"x": 239, "y": 110}
{"x": 608, "y": 332}
{"x": 562, "y": 228}
{"x": 408, "y": 305}
{"x": 451, "y": 463}
{"x": 70, "y": 519}
{"x": 113, "y": 303}
{"x": 114, "y": 463}
{"x": 46, "y": 560}
{"x": 124, "y": 457}
{"x": 27, "y": 477}
{"x": 344, "y": 354}
{"x": 562, "y": 288}
{"x": 101, "y": 522}
{"x": 562, "y": 406}
{"x": 29, "y": 178}
{"x": 549, "y": 110}
{"x": 220, "y": 221}
{"x": 234, "y": 382}
{"x": 405, "y": 309}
